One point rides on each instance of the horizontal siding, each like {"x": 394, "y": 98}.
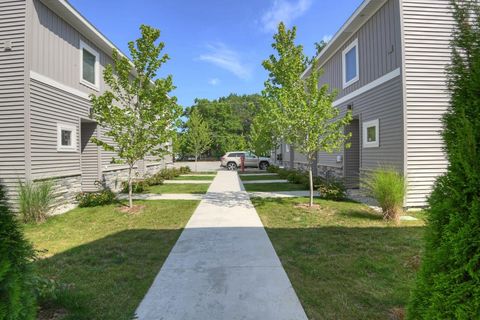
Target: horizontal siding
{"x": 376, "y": 38}
{"x": 56, "y": 45}
{"x": 427, "y": 34}
{"x": 12, "y": 101}
{"x": 50, "y": 106}
{"x": 384, "y": 103}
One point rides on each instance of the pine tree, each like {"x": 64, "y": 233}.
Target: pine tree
{"x": 17, "y": 300}
{"x": 448, "y": 283}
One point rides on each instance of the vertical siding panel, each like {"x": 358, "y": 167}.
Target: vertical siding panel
{"x": 427, "y": 34}
{"x": 12, "y": 97}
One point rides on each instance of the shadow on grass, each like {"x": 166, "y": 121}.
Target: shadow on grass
{"x": 108, "y": 278}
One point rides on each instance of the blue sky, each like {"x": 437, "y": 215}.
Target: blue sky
{"x": 217, "y": 46}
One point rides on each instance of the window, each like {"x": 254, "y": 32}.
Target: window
{"x": 66, "y": 138}
{"x": 89, "y": 66}
{"x": 371, "y": 134}
{"x": 350, "y": 64}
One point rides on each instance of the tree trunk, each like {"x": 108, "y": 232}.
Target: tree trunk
{"x": 310, "y": 175}
{"x": 130, "y": 200}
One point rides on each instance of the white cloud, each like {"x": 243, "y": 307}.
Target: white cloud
{"x": 214, "y": 81}
{"x": 222, "y": 56}
{"x": 283, "y": 10}
{"x": 327, "y": 38}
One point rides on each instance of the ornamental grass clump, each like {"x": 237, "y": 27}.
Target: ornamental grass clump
{"x": 388, "y": 187}
{"x": 35, "y": 200}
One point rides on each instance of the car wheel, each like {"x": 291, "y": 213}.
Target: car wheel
{"x": 263, "y": 165}
{"x": 231, "y": 166}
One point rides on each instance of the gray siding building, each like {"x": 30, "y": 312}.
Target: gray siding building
{"x": 51, "y": 59}
{"x": 388, "y": 63}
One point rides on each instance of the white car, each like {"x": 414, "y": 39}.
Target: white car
{"x": 232, "y": 160}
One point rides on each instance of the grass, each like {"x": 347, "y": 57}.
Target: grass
{"x": 108, "y": 258}
{"x": 200, "y": 188}
{"x": 344, "y": 261}
{"x": 252, "y": 178}
{"x": 267, "y": 187}
{"x": 194, "y": 177}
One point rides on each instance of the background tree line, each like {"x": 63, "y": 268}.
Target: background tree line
{"x": 229, "y": 120}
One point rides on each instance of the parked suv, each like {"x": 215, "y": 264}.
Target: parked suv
{"x": 232, "y": 160}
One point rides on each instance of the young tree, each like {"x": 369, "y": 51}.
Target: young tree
{"x": 448, "y": 283}
{"x": 197, "y": 136}
{"x": 137, "y": 112}
{"x": 298, "y": 106}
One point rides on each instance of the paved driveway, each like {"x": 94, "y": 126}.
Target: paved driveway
{"x": 201, "y": 165}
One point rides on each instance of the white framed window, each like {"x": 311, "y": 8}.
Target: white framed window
{"x": 371, "y": 134}
{"x": 350, "y": 68}
{"x": 66, "y": 137}
{"x": 89, "y": 66}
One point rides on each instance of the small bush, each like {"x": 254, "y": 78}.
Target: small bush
{"x": 17, "y": 299}
{"x": 388, "y": 187}
{"x": 331, "y": 189}
{"x": 185, "y": 170}
{"x": 272, "y": 169}
{"x": 155, "y": 180}
{"x": 138, "y": 186}
{"x": 93, "y": 199}
{"x": 35, "y": 200}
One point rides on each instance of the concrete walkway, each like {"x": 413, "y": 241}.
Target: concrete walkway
{"x": 223, "y": 266}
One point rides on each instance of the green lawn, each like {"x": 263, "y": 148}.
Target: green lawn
{"x": 252, "y": 178}
{"x": 194, "y": 177}
{"x": 343, "y": 260}
{"x": 273, "y": 187}
{"x": 107, "y": 258}
{"x": 200, "y": 188}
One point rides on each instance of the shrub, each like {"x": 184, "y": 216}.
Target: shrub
{"x": 155, "y": 180}
{"x": 388, "y": 187}
{"x": 35, "y": 200}
{"x": 138, "y": 186}
{"x": 330, "y": 189}
{"x": 272, "y": 169}
{"x": 448, "y": 283}
{"x": 17, "y": 299}
{"x": 93, "y": 199}
{"x": 185, "y": 170}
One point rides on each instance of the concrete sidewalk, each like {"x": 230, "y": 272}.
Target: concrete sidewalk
{"x": 223, "y": 266}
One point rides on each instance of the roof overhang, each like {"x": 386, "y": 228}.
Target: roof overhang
{"x": 67, "y": 12}
{"x": 363, "y": 13}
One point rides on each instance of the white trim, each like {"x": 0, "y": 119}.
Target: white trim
{"x": 96, "y": 85}
{"x": 351, "y": 46}
{"x": 73, "y": 137}
{"x": 48, "y": 81}
{"x": 375, "y": 83}
{"x": 287, "y": 148}
{"x": 365, "y": 126}
{"x": 346, "y": 28}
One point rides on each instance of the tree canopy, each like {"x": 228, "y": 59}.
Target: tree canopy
{"x": 229, "y": 120}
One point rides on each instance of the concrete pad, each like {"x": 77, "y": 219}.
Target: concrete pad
{"x": 187, "y": 182}
{"x": 408, "y": 218}
{"x": 165, "y": 196}
{"x": 265, "y": 181}
{"x": 282, "y": 194}
{"x": 223, "y": 266}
